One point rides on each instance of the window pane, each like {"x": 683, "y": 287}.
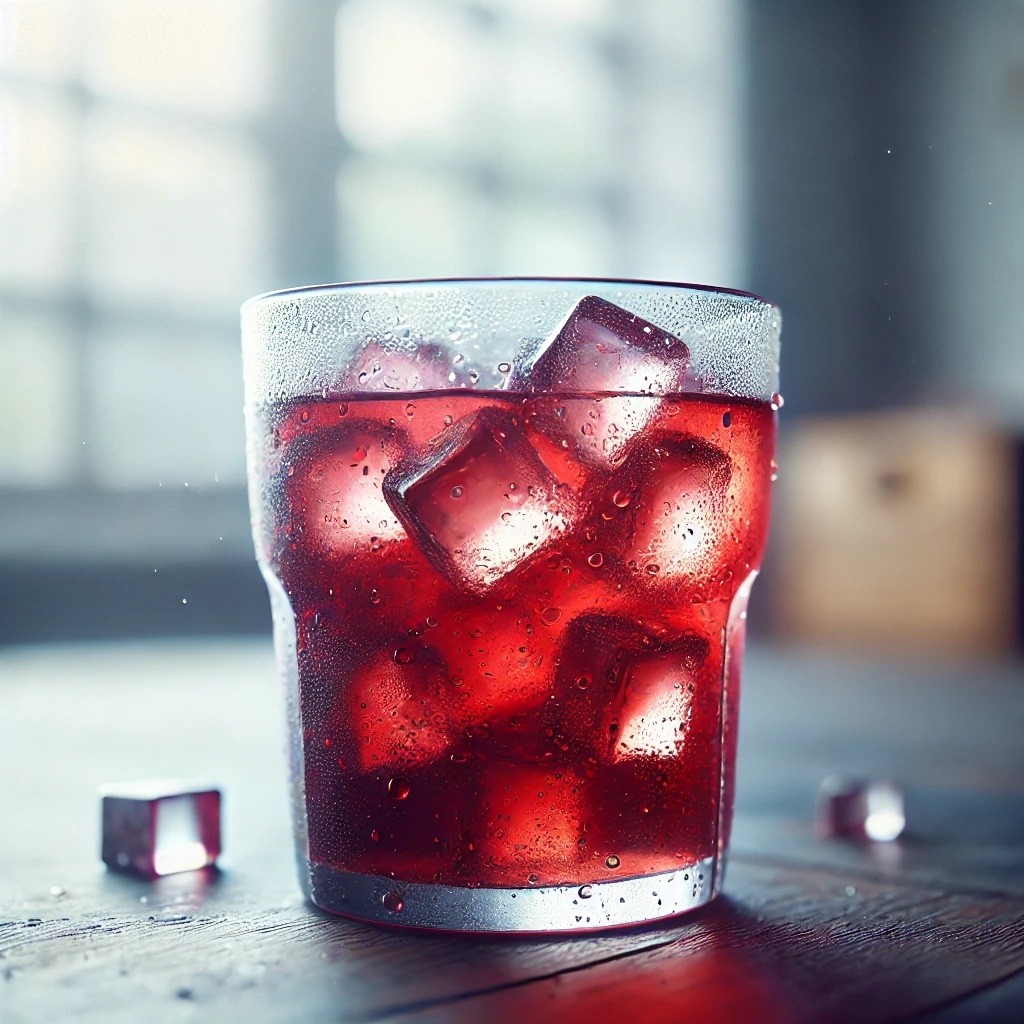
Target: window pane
{"x": 175, "y": 217}
{"x": 409, "y": 73}
{"x": 204, "y": 55}
{"x": 40, "y": 37}
{"x": 588, "y": 14}
{"x": 539, "y": 236}
{"x": 167, "y": 408}
{"x": 36, "y": 168}
{"x": 38, "y": 374}
{"x": 399, "y": 221}
{"x": 558, "y": 111}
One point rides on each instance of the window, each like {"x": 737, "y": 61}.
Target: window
{"x": 162, "y": 160}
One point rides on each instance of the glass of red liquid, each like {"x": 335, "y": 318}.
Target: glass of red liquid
{"x": 509, "y": 529}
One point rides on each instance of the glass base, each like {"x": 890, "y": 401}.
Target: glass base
{"x": 563, "y": 908}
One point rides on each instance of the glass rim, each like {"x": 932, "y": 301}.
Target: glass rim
{"x": 345, "y": 286}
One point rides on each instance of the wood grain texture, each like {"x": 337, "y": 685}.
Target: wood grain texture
{"x": 810, "y": 931}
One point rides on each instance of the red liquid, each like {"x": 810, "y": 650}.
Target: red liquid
{"x": 560, "y": 723}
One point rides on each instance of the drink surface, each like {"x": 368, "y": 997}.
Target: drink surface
{"x": 513, "y": 618}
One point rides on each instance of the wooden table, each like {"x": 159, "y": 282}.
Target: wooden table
{"x": 929, "y": 928}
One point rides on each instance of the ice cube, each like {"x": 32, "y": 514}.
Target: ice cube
{"x": 378, "y": 367}
{"x": 870, "y": 809}
{"x": 333, "y": 489}
{"x": 677, "y": 488}
{"x": 652, "y": 710}
{"x": 600, "y": 349}
{"x": 160, "y": 827}
{"x": 532, "y": 820}
{"x": 395, "y": 709}
{"x": 592, "y": 662}
{"x": 482, "y": 502}
{"x": 499, "y": 661}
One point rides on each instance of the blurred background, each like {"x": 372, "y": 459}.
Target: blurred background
{"x": 860, "y": 162}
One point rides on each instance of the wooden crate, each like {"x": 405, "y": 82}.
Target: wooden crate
{"x": 900, "y": 531}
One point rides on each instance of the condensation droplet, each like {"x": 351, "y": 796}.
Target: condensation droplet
{"x": 343, "y": 409}
{"x": 773, "y": 467}
{"x": 398, "y": 787}
{"x": 611, "y": 862}
{"x": 374, "y": 597}
{"x": 596, "y": 559}
{"x": 504, "y": 367}
{"x": 393, "y": 902}
{"x": 375, "y": 836}
{"x": 583, "y": 680}
{"x": 403, "y": 656}
{"x": 621, "y": 499}
{"x": 457, "y": 491}
{"x": 777, "y": 402}
{"x": 550, "y": 616}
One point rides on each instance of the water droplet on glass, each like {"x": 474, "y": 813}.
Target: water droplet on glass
{"x": 586, "y": 892}
{"x": 432, "y": 622}
{"x": 375, "y": 836}
{"x": 653, "y": 570}
{"x": 587, "y": 429}
{"x": 374, "y": 597}
{"x": 403, "y": 656}
{"x": 343, "y": 409}
{"x": 398, "y": 787}
{"x": 596, "y": 559}
{"x": 727, "y": 419}
{"x": 531, "y": 878}
{"x": 622, "y": 498}
{"x": 393, "y": 902}
{"x": 583, "y": 680}
{"x": 504, "y": 367}
{"x": 777, "y": 401}
{"x": 550, "y": 616}
{"x": 773, "y": 468}
{"x": 304, "y": 416}
{"x": 457, "y": 491}
{"x": 611, "y": 862}
{"x": 448, "y": 421}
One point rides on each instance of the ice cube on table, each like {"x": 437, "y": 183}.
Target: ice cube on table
{"x": 160, "y": 827}
{"x": 333, "y": 488}
{"x": 600, "y": 349}
{"x": 871, "y": 809}
{"x": 481, "y": 502}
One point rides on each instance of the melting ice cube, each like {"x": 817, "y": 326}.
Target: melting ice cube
{"x": 601, "y": 349}
{"x": 334, "y": 488}
{"x": 377, "y": 367}
{"x": 160, "y": 827}
{"x": 395, "y": 702}
{"x": 482, "y": 502}
{"x": 680, "y": 521}
{"x": 652, "y": 711}
{"x": 531, "y": 818}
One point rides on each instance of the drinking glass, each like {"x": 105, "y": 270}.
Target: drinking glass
{"x": 509, "y": 528}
